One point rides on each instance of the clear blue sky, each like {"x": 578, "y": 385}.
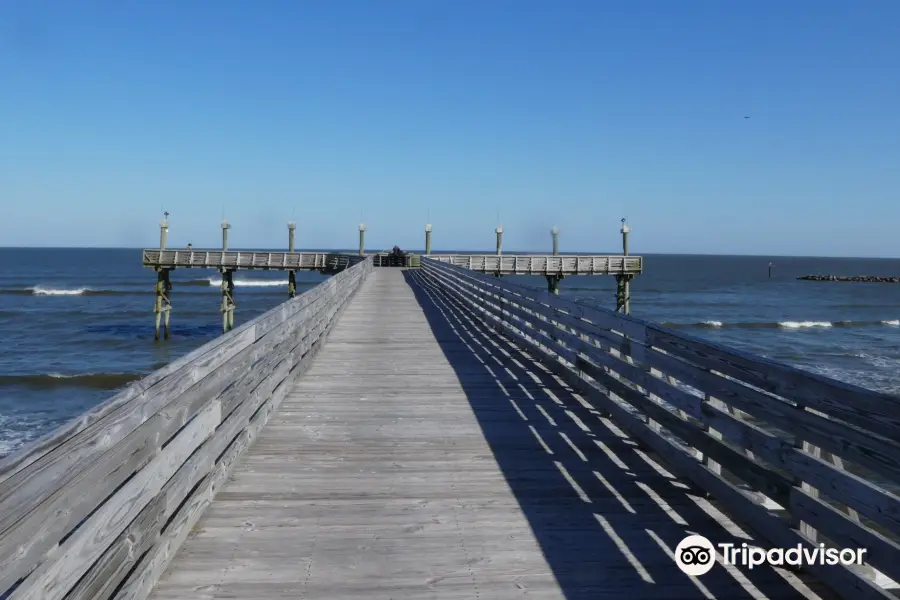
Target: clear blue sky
{"x": 548, "y": 112}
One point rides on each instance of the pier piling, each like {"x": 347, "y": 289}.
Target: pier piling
{"x": 623, "y": 281}
{"x": 499, "y": 232}
{"x": 292, "y": 277}
{"x": 225, "y": 228}
{"x": 163, "y": 231}
{"x": 553, "y": 281}
{"x": 163, "y": 306}
{"x": 228, "y": 304}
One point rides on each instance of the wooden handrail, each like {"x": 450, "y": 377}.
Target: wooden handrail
{"x": 747, "y": 430}
{"x": 97, "y": 508}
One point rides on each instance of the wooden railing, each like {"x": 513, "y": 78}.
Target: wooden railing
{"x": 799, "y": 458}
{"x": 248, "y": 259}
{"x": 98, "y": 508}
{"x": 511, "y": 264}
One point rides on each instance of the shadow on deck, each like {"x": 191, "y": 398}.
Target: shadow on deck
{"x": 606, "y": 515}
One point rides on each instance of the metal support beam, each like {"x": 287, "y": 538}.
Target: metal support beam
{"x": 162, "y": 308}
{"x": 228, "y": 304}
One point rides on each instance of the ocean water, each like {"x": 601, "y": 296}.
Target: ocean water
{"x": 77, "y": 324}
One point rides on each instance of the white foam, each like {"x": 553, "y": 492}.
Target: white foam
{"x": 11, "y": 436}
{"x": 713, "y": 323}
{"x": 42, "y": 291}
{"x": 249, "y": 282}
{"x": 799, "y": 324}
{"x": 891, "y": 322}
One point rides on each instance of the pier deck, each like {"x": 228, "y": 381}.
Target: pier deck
{"x": 421, "y": 457}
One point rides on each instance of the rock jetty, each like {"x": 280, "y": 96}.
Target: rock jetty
{"x": 860, "y": 278}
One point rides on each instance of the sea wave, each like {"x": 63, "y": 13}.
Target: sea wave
{"x": 802, "y": 324}
{"x": 82, "y": 291}
{"x": 249, "y": 282}
{"x": 47, "y": 290}
{"x": 42, "y": 291}
{"x": 98, "y": 381}
{"x": 782, "y": 324}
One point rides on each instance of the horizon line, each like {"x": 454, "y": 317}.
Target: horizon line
{"x": 422, "y": 252}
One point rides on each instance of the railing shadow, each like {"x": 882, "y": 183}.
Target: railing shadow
{"x": 606, "y": 515}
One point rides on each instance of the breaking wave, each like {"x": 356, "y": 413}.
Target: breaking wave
{"x": 217, "y": 281}
{"x": 39, "y": 290}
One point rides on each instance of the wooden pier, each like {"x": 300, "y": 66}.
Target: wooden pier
{"x": 553, "y": 267}
{"x": 442, "y": 433}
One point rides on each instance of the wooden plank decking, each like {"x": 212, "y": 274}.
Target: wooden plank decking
{"x": 422, "y": 458}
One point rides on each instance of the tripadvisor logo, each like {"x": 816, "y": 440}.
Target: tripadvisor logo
{"x": 695, "y": 555}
